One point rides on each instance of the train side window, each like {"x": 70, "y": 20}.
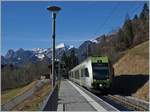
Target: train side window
{"x": 86, "y": 72}
{"x": 82, "y": 72}
{"x": 77, "y": 74}
{"x": 74, "y": 75}
{"x": 71, "y": 75}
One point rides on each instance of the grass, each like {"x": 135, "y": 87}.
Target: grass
{"x": 8, "y": 95}
{"x": 34, "y": 102}
{"x": 135, "y": 61}
{"x": 141, "y": 50}
{"x": 143, "y": 93}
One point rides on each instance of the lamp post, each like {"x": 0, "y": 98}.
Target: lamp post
{"x": 54, "y": 10}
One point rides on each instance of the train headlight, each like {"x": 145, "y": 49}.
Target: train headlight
{"x": 107, "y": 80}
{"x": 100, "y": 85}
{"x": 94, "y": 80}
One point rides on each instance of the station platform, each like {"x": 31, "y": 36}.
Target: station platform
{"x": 72, "y": 98}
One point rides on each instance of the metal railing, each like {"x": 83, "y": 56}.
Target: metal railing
{"x": 52, "y": 101}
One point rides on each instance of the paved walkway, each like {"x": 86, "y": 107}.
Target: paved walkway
{"x": 72, "y": 98}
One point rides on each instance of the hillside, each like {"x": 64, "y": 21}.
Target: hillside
{"x": 135, "y": 61}
{"x": 132, "y": 71}
{"x": 8, "y": 95}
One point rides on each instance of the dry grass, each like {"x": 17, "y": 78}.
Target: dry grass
{"x": 143, "y": 93}
{"x": 6, "y": 96}
{"x": 134, "y": 63}
{"x": 34, "y": 102}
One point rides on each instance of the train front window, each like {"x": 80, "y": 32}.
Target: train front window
{"x": 100, "y": 71}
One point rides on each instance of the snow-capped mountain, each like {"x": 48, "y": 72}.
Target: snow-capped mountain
{"x": 71, "y": 47}
{"x": 10, "y": 54}
{"x": 3, "y": 60}
{"x": 82, "y": 50}
{"x": 22, "y": 56}
{"x": 94, "y": 41}
{"x": 39, "y": 50}
{"x": 61, "y": 45}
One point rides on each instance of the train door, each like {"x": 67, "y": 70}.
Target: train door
{"x": 87, "y": 78}
{"x": 80, "y": 77}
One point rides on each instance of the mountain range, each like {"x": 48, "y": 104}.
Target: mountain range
{"x": 22, "y": 56}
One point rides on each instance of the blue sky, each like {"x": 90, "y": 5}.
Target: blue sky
{"x": 28, "y": 24}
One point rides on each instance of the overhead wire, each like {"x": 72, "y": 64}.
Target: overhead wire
{"x": 135, "y": 9}
{"x": 99, "y": 29}
{"x": 106, "y": 20}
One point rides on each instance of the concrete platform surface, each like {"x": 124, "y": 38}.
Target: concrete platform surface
{"x": 72, "y": 98}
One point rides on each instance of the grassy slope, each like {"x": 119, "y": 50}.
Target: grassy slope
{"x": 135, "y": 64}
{"x": 10, "y": 94}
{"x": 34, "y": 102}
{"x": 135, "y": 61}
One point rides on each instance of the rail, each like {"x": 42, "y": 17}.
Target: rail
{"x": 131, "y": 102}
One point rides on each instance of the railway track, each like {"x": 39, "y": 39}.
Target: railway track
{"x": 123, "y": 103}
{"x": 120, "y": 103}
{"x": 129, "y": 104}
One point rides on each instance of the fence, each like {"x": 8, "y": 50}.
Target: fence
{"x": 52, "y": 101}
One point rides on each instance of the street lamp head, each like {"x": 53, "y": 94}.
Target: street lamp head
{"x": 54, "y": 8}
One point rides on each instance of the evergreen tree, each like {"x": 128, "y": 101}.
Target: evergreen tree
{"x": 145, "y": 13}
{"x": 65, "y": 64}
{"x": 103, "y": 40}
{"x": 89, "y": 50}
{"x": 64, "y": 58}
{"x": 136, "y": 17}
{"x": 128, "y": 32}
{"x": 73, "y": 59}
{"x": 120, "y": 45}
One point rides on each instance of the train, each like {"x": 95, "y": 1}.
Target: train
{"x": 94, "y": 73}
